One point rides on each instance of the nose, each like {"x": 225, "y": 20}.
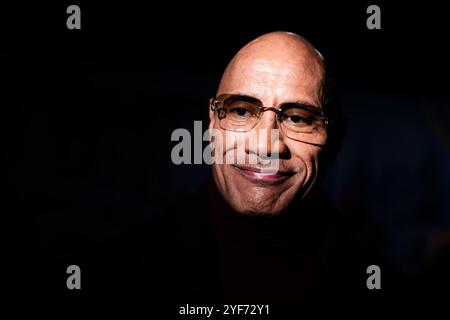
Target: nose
{"x": 269, "y": 139}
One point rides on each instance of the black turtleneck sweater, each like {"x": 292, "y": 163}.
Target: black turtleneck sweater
{"x": 201, "y": 248}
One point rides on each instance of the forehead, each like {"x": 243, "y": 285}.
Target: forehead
{"x": 274, "y": 80}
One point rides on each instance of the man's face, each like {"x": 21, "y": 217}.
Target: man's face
{"x": 274, "y": 78}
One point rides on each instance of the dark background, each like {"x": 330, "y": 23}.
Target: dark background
{"x": 87, "y": 117}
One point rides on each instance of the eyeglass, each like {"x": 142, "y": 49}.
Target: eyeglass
{"x": 298, "y": 121}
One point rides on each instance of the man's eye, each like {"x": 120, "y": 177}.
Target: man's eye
{"x": 242, "y": 112}
{"x": 296, "y": 119}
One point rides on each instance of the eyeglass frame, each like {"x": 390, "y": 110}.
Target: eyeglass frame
{"x": 318, "y": 111}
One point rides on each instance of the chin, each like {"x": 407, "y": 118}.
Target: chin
{"x": 257, "y": 212}
{"x": 262, "y": 213}
{"x": 255, "y": 207}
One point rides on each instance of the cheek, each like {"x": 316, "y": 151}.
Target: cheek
{"x": 305, "y": 155}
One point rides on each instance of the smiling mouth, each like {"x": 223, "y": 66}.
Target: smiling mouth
{"x": 256, "y": 174}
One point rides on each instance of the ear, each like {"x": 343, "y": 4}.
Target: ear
{"x": 212, "y": 118}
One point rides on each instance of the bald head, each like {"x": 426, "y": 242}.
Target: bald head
{"x": 276, "y": 57}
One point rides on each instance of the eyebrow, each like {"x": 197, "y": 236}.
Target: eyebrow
{"x": 294, "y": 104}
{"x": 246, "y": 97}
{"x": 303, "y": 105}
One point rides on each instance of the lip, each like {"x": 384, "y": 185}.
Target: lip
{"x": 256, "y": 174}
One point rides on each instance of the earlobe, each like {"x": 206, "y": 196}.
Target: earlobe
{"x": 211, "y": 120}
